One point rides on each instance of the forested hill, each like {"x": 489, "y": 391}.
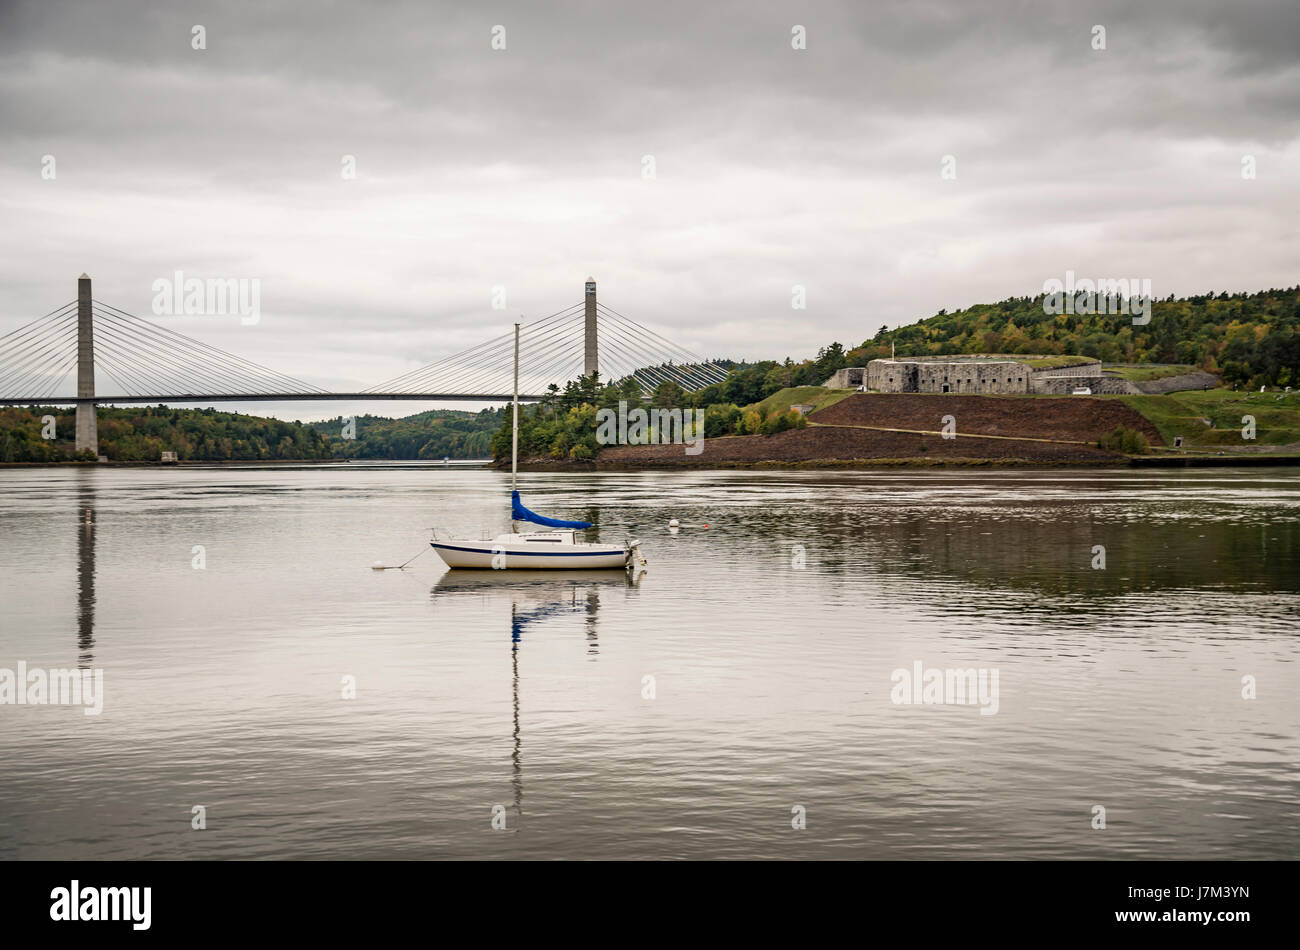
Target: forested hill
{"x": 1251, "y": 338}
{"x": 436, "y": 434}
{"x": 143, "y": 433}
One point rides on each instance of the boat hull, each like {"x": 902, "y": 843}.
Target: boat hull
{"x": 488, "y": 556}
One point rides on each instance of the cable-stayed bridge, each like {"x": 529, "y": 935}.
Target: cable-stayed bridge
{"x": 118, "y": 357}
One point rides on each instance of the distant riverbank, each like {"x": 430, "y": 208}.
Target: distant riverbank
{"x": 260, "y": 463}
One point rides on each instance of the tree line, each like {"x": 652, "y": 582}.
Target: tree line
{"x": 36, "y": 434}
{"x": 436, "y": 434}
{"x": 565, "y": 423}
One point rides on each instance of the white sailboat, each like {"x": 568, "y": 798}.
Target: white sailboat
{"x": 557, "y": 549}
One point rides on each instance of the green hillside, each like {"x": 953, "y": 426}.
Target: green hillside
{"x": 436, "y": 434}
{"x": 1215, "y": 418}
{"x": 142, "y": 434}
{"x": 816, "y": 396}
{"x": 1252, "y": 339}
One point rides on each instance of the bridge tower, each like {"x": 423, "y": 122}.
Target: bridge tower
{"x": 87, "y": 428}
{"x": 590, "y": 362}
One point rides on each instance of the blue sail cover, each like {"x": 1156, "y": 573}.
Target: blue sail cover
{"x": 519, "y": 513}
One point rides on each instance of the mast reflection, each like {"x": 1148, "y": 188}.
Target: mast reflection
{"x": 535, "y": 598}
{"x": 86, "y": 569}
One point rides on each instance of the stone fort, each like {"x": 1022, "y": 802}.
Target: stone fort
{"x": 1055, "y": 375}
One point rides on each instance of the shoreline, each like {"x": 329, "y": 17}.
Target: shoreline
{"x": 1136, "y": 461}
{"x": 1257, "y": 460}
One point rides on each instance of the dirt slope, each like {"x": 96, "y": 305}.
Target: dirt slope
{"x": 826, "y": 443}
{"x": 1068, "y": 418}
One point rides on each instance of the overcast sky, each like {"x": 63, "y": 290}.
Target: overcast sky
{"x": 524, "y": 167}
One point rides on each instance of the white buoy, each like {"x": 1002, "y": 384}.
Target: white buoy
{"x": 672, "y": 523}
{"x": 381, "y": 566}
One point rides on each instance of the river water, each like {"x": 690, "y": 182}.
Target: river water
{"x": 743, "y": 685}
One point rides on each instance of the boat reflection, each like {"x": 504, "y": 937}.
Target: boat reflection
{"x": 532, "y": 583}
{"x": 535, "y": 597}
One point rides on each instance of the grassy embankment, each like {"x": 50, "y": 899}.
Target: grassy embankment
{"x": 1057, "y": 362}
{"x": 1213, "y": 419}
{"x": 816, "y": 396}
{"x": 1141, "y": 373}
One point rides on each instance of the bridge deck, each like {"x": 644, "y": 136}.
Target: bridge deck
{"x": 271, "y": 397}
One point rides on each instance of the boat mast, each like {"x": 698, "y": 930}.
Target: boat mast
{"x": 514, "y": 434}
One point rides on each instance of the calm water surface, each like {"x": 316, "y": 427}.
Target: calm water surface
{"x": 771, "y": 682}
